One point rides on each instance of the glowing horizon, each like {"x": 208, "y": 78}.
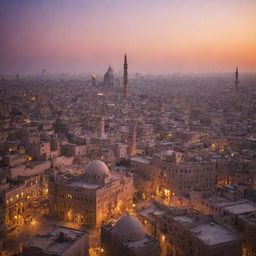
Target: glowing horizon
{"x": 163, "y": 36}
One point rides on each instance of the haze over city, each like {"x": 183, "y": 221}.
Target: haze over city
{"x": 128, "y": 128}
{"x": 163, "y": 36}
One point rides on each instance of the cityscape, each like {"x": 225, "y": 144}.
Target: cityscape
{"x": 102, "y": 154}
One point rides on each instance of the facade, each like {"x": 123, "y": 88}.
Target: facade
{"x": 58, "y": 241}
{"x": 18, "y": 199}
{"x": 90, "y": 198}
{"x": 127, "y": 238}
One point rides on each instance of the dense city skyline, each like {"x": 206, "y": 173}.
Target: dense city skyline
{"x": 159, "y": 36}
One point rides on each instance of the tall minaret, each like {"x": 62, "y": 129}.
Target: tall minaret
{"x": 132, "y": 139}
{"x": 236, "y": 81}
{"x": 125, "y": 76}
{"x": 102, "y": 133}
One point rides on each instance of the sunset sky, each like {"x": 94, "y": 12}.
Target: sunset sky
{"x": 159, "y": 36}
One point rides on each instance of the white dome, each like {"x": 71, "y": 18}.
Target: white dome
{"x": 129, "y": 228}
{"x": 98, "y": 171}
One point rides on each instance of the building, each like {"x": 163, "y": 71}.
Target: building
{"x": 128, "y": 238}
{"x": 188, "y": 233}
{"x": 90, "y": 198}
{"x": 58, "y": 241}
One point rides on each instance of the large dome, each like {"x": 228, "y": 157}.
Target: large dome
{"x": 129, "y": 228}
{"x": 97, "y": 171}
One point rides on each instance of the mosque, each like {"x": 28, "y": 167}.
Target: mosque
{"x": 128, "y": 238}
{"x": 109, "y": 78}
{"x": 92, "y": 197}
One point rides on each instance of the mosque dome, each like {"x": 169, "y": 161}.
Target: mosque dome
{"x": 109, "y": 77}
{"x": 97, "y": 171}
{"x": 110, "y": 70}
{"x": 129, "y": 228}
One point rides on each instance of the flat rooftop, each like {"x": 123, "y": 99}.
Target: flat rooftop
{"x": 82, "y": 184}
{"x": 142, "y": 160}
{"x": 184, "y": 219}
{"x": 213, "y": 234}
{"x": 242, "y": 208}
{"x": 51, "y": 243}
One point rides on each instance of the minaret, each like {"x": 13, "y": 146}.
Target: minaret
{"x": 125, "y": 76}
{"x": 94, "y": 82}
{"x": 102, "y": 133}
{"x": 236, "y": 81}
{"x": 132, "y": 139}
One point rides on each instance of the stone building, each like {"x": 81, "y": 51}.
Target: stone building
{"x": 90, "y": 198}
{"x": 127, "y": 238}
{"x": 188, "y": 233}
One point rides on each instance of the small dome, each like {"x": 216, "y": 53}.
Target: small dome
{"x": 97, "y": 171}
{"x": 129, "y": 228}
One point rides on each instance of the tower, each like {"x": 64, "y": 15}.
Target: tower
{"x": 236, "y": 81}
{"x": 102, "y": 133}
{"x": 125, "y": 76}
{"x": 132, "y": 139}
{"x": 94, "y": 81}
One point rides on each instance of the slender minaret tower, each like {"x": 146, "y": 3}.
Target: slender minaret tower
{"x": 94, "y": 81}
{"x": 132, "y": 139}
{"x": 236, "y": 81}
{"x": 125, "y": 76}
{"x": 102, "y": 133}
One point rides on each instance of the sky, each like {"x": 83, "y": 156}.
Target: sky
{"x": 159, "y": 36}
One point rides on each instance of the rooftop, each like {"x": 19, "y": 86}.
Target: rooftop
{"x": 213, "y": 234}
{"x": 56, "y": 241}
{"x": 242, "y": 208}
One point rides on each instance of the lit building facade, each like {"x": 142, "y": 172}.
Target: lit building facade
{"x": 90, "y": 198}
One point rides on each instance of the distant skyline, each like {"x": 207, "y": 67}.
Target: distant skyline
{"x": 159, "y": 36}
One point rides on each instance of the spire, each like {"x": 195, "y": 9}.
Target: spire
{"x": 125, "y": 59}
{"x": 125, "y": 76}
{"x": 236, "y": 79}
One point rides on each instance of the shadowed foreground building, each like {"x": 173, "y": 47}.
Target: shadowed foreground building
{"x": 58, "y": 241}
{"x": 188, "y": 233}
{"x": 90, "y": 198}
{"x": 127, "y": 238}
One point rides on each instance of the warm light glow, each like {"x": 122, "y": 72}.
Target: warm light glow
{"x": 69, "y": 196}
{"x": 33, "y": 222}
{"x": 167, "y": 192}
{"x": 28, "y": 121}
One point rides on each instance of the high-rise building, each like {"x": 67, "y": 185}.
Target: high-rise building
{"x": 125, "y": 76}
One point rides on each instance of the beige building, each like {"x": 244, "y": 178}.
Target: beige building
{"x": 169, "y": 174}
{"x": 187, "y": 233}
{"x": 90, "y": 198}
